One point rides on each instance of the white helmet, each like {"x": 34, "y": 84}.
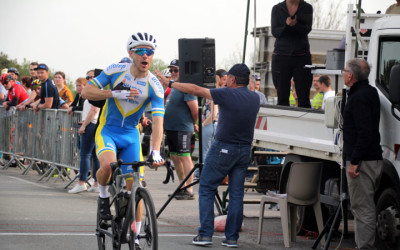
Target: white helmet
{"x": 166, "y": 73}
{"x": 141, "y": 38}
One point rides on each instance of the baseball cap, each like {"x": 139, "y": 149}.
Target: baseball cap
{"x": 14, "y": 70}
{"x": 174, "y": 63}
{"x": 257, "y": 77}
{"x": 239, "y": 70}
{"x": 42, "y": 66}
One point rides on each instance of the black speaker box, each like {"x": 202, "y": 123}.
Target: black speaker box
{"x": 197, "y": 61}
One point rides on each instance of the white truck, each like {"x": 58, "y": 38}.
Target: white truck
{"x": 305, "y": 136}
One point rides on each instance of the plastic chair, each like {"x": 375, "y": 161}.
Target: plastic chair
{"x": 303, "y": 189}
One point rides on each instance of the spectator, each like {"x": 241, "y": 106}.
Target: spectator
{"x": 64, "y": 92}
{"x": 3, "y": 93}
{"x": 291, "y": 21}
{"x": 77, "y": 104}
{"x": 124, "y": 60}
{"x": 33, "y": 97}
{"x": 32, "y": 71}
{"x": 361, "y": 149}
{"x": 222, "y": 77}
{"x": 90, "y": 75}
{"x": 181, "y": 114}
{"x": 318, "y": 98}
{"x": 252, "y": 85}
{"x": 87, "y": 131}
{"x": 325, "y": 82}
{"x": 16, "y": 93}
{"x": 257, "y": 80}
{"x": 293, "y": 100}
{"x": 49, "y": 97}
{"x": 15, "y": 74}
{"x": 167, "y": 91}
{"x": 209, "y": 126}
{"x": 229, "y": 153}
{"x": 27, "y": 83}
{"x": 394, "y": 8}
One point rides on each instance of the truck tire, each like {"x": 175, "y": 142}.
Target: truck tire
{"x": 388, "y": 220}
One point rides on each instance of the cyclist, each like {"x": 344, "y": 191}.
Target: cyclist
{"x": 16, "y": 93}
{"x": 127, "y": 88}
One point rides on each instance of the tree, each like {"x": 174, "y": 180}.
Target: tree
{"x": 328, "y": 14}
{"x": 158, "y": 64}
{"x": 8, "y": 63}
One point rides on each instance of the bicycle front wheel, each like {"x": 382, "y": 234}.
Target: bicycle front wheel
{"x": 108, "y": 231}
{"x": 147, "y": 237}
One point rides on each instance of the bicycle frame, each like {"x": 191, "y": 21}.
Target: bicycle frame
{"x": 116, "y": 188}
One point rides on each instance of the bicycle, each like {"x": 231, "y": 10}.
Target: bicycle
{"x": 121, "y": 229}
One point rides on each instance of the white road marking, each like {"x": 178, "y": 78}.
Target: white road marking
{"x": 30, "y": 182}
{"x": 93, "y": 234}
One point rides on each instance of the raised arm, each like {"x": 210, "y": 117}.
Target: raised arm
{"x": 91, "y": 92}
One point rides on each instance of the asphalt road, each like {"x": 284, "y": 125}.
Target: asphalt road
{"x": 42, "y": 215}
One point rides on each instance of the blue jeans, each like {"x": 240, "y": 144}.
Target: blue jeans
{"x": 223, "y": 159}
{"x": 88, "y": 150}
{"x": 208, "y": 137}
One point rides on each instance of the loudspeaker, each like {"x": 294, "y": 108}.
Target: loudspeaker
{"x": 197, "y": 61}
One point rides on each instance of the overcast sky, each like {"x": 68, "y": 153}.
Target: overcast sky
{"x": 77, "y": 35}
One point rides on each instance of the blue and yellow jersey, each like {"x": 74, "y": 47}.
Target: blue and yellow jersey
{"x": 126, "y": 113}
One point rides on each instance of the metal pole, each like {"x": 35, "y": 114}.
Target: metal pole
{"x": 245, "y": 31}
{"x": 357, "y": 28}
{"x": 255, "y": 44}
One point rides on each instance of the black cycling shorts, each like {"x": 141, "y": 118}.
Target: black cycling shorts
{"x": 179, "y": 142}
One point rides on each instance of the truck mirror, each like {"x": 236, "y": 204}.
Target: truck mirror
{"x": 394, "y": 85}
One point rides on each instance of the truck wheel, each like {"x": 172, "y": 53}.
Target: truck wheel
{"x": 388, "y": 220}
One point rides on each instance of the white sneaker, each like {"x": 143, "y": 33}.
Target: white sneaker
{"x": 78, "y": 188}
{"x": 91, "y": 181}
{"x": 94, "y": 189}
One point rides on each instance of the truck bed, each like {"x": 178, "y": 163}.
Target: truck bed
{"x": 296, "y": 131}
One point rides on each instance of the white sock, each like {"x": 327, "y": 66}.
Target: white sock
{"x": 138, "y": 226}
{"x": 103, "y": 191}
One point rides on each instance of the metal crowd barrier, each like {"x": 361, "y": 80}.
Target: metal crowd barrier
{"x": 49, "y": 136}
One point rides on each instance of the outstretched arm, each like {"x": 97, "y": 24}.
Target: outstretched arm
{"x": 185, "y": 87}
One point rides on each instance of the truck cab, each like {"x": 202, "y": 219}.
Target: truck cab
{"x": 383, "y": 55}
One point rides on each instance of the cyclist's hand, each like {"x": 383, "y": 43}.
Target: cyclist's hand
{"x": 121, "y": 94}
{"x": 157, "y": 159}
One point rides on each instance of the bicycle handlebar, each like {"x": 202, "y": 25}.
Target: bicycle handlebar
{"x": 119, "y": 163}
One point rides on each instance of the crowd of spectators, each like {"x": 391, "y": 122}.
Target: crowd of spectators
{"x": 39, "y": 91}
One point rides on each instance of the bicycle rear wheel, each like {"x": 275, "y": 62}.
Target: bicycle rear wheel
{"x": 148, "y": 235}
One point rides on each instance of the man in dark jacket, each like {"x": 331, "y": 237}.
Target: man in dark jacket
{"x": 291, "y": 21}
{"x": 362, "y": 150}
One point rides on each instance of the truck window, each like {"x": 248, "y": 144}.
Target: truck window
{"x": 389, "y": 55}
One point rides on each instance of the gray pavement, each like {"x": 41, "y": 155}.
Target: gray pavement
{"x": 42, "y": 215}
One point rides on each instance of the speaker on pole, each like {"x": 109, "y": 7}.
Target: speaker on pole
{"x": 197, "y": 61}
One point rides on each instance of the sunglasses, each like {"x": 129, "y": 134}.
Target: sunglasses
{"x": 174, "y": 70}
{"x": 142, "y": 51}
{"x": 89, "y": 77}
